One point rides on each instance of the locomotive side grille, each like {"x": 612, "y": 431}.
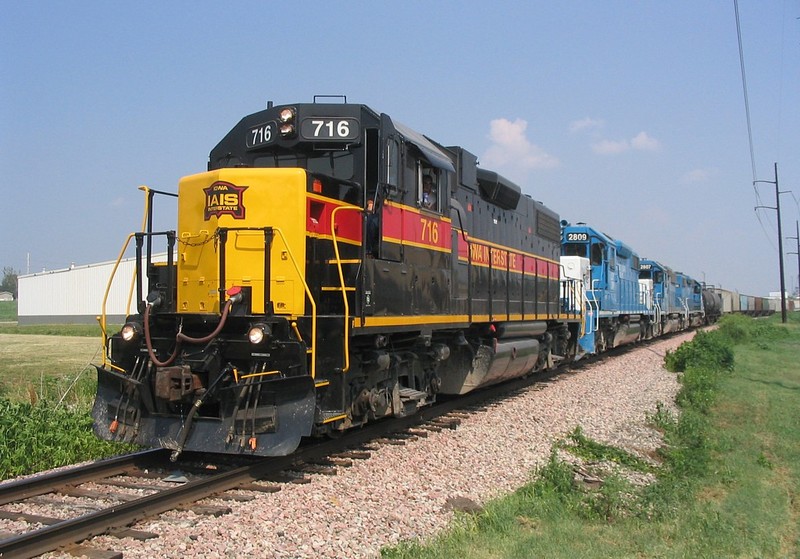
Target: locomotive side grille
{"x": 548, "y": 227}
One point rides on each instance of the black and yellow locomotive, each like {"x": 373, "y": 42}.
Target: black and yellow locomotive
{"x": 331, "y": 267}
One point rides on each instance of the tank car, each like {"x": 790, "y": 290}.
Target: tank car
{"x": 617, "y": 309}
{"x": 316, "y": 282}
{"x": 712, "y": 305}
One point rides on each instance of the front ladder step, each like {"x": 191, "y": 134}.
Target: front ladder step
{"x": 329, "y": 416}
{"x": 407, "y": 394}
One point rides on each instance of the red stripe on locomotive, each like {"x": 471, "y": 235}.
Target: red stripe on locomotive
{"x": 407, "y": 225}
{"x": 318, "y": 220}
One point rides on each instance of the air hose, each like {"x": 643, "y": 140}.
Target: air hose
{"x": 181, "y": 337}
{"x": 187, "y": 426}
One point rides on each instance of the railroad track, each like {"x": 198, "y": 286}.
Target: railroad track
{"x": 213, "y": 480}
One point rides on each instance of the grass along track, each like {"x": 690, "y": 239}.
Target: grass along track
{"x": 36, "y": 367}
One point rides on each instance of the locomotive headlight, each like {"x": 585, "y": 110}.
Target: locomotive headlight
{"x": 287, "y": 118}
{"x": 258, "y": 333}
{"x": 287, "y": 130}
{"x": 287, "y": 114}
{"x": 130, "y": 331}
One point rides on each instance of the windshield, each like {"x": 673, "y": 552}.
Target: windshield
{"x": 337, "y": 164}
{"x": 575, "y": 249}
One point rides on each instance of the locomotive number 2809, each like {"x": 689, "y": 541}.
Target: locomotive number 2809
{"x": 577, "y": 237}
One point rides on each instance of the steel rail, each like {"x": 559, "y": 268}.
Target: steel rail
{"x": 49, "y": 538}
{"x": 47, "y": 483}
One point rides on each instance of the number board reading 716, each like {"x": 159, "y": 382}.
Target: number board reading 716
{"x": 261, "y": 134}
{"x": 329, "y": 129}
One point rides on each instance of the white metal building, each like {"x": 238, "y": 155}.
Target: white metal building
{"x": 75, "y": 295}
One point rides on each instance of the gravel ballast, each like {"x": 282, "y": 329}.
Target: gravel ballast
{"x": 404, "y": 492}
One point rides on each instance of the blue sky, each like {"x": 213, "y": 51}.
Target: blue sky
{"x": 628, "y": 115}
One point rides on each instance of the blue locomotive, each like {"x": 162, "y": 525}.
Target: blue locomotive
{"x": 624, "y": 298}
{"x": 616, "y": 307}
{"x": 677, "y": 299}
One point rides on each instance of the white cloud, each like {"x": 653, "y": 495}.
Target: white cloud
{"x": 586, "y": 123}
{"x": 641, "y": 142}
{"x": 610, "y": 147}
{"x": 511, "y": 148}
{"x": 644, "y": 142}
{"x": 699, "y": 175}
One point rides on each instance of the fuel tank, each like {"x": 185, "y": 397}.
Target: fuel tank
{"x": 502, "y": 360}
{"x": 627, "y": 333}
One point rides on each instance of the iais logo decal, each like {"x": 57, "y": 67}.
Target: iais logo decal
{"x": 224, "y": 198}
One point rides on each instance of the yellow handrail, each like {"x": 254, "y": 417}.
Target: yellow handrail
{"x": 310, "y": 298}
{"x": 102, "y": 318}
{"x": 147, "y": 198}
{"x": 341, "y": 282}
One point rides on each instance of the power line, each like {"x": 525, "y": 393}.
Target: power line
{"x": 759, "y": 203}
{"x": 746, "y": 100}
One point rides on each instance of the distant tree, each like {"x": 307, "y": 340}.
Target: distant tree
{"x": 9, "y": 281}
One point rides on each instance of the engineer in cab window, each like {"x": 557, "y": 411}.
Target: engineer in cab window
{"x": 428, "y": 193}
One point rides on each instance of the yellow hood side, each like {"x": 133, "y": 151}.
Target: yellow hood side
{"x": 242, "y": 198}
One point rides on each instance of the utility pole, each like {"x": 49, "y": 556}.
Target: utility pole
{"x": 777, "y": 208}
{"x": 797, "y": 239}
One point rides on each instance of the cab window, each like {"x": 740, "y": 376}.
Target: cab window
{"x": 597, "y": 254}
{"x": 392, "y": 162}
{"x": 428, "y": 187}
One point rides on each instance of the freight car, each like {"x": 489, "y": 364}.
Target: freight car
{"x": 733, "y": 302}
{"x": 331, "y": 267}
{"x": 730, "y": 300}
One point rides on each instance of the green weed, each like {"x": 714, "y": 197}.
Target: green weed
{"x": 591, "y": 450}
{"x": 40, "y": 436}
{"x": 707, "y": 349}
{"x": 662, "y": 419}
